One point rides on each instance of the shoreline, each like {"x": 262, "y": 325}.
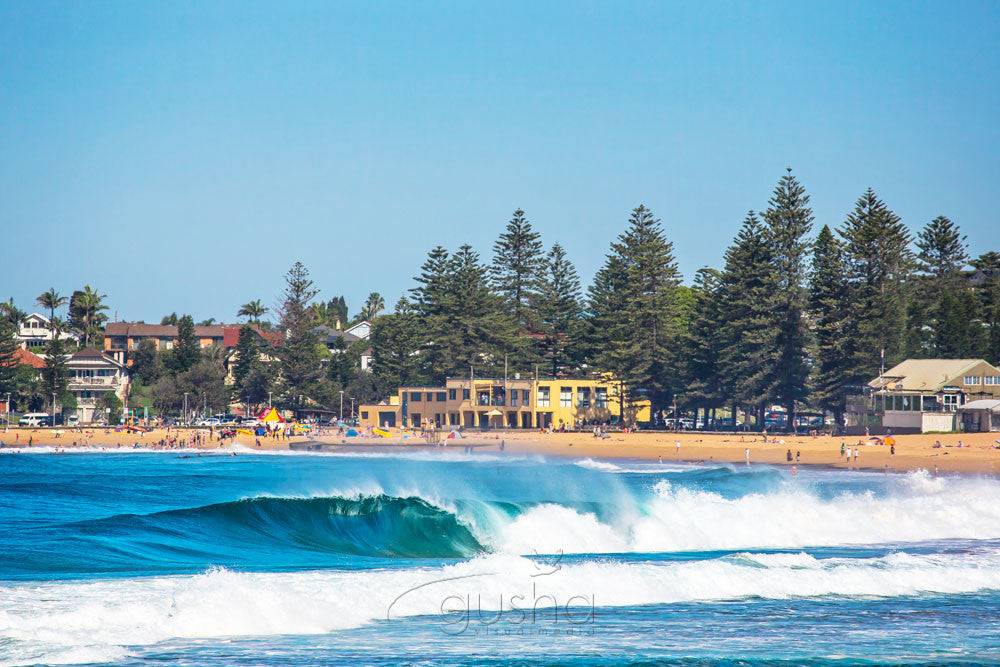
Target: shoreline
{"x": 980, "y": 453}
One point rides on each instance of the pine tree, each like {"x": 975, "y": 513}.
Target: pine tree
{"x": 939, "y": 315}
{"x": 55, "y": 374}
{"x": 557, "y": 304}
{"x": 396, "y": 348}
{"x": 8, "y": 357}
{"x": 789, "y": 220}
{"x": 430, "y": 304}
{"x": 879, "y": 263}
{"x": 987, "y": 295}
{"x": 517, "y": 260}
{"x": 187, "y": 349}
{"x": 703, "y": 371}
{"x": 633, "y": 305}
{"x": 747, "y": 337}
{"x": 827, "y": 307}
{"x": 300, "y": 367}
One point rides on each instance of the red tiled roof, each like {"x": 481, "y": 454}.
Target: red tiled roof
{"x": 163, "y": 330}
{"x": 231, "y": 335}
{"x": 25, "y": 357}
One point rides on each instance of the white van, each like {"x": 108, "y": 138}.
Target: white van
{"x": 34, "y": 418}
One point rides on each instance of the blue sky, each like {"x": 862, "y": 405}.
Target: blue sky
{"x": 181, "y": 156}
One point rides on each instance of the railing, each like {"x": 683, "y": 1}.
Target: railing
{"x": 94, "y": 381}
{"x": 86, "y": 401}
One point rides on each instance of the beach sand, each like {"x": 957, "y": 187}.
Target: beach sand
{"x": 912, "y": 451}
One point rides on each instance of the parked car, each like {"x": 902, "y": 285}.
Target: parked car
{"x": 33, "y": 419}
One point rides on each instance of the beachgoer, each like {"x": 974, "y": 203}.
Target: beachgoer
{"x": 746, "y": 454}
{"x": 788, "y": 456}
{"x": 678, "y": 448}
{"x": 798, "y": 455}
{"x": 892, "y": 449}
{"x": 842, "y": 446}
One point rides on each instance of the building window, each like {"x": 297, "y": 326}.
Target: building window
{"x": 543, "y": 397}
{"x": 364, "y": 414}
{"x": 452, "y": 394}
{"x": 440, "y": 397}
{"x": 430, "y": 396}
{"x": 513, "y": 398}
{"x": 601, "y": 397}
{"x": 971, "y": 379}
{"x": 583, "y": 397}
{"x": 465, "y": 394}
{"x": 992, "y": 379}
{"x": 565, "y": 397}
{"x": 526, "y": 397}
{"x": 415, "y": 396}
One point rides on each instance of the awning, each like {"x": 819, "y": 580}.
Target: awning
{"x": 983, "y": 404}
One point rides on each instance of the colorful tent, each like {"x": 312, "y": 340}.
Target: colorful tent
{"x": 270, "y": 415}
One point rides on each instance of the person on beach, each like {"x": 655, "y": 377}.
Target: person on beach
{"x": 855, "y": 453}
{"x": 746, "y": 455}
{"x": 678, "y": 448}
{"x": 788, "y": 456}
{"x": 798, "y": 456}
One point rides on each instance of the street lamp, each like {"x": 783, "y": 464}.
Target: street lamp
{"x": 53, "y": 408}
{"x": 269, "y": 400}
{"x": 352, "y": 407}
{"x": 184, "y": 418}
{"x": 8, "y": 409}
{"x": 341, "y": 405}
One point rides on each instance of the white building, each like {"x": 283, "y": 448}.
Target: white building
{"x": 35, "y": 331}
{"x": 93, "y": 374}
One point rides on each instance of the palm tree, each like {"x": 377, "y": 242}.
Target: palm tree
{"x": 51, "y": 300}
{"x": 89, "y": 304}
{"x": 254, "y": 310}
{"x": 373, "y": 305}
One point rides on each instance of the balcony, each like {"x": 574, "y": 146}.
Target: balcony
{"x": 92, "y": 382}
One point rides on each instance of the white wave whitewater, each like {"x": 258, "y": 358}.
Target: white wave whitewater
{"x": 42, "y": 622}
{"x": 917, "y": 508}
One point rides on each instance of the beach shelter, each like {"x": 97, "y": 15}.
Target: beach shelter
{"x": 351, "y": 433}
{"x": 493, "y": 414}
{"x": 270, "y": 416}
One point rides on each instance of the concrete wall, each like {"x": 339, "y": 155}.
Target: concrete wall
{"x": 907, "y": 419}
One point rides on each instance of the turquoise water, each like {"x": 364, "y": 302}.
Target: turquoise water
{"x": 452, "y": 559}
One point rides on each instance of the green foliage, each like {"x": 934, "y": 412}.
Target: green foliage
{"x": 878, "y": 264}
{"x": 109, "y": 401}
{"x": 55, "y": 375}
{"x": 187, "y": 348}
{"x": 517, "y": 261}
{"x": 86, "y": 314}
{"x": 147, "y": 363}
{"x": 828, "y": 308}
{"x": 788, "y": 220}
{"x": 51, "y": 300}
{"x": 633, "y": 305}
{"x": 702, "y": 343}
{"x": 8, "y": 358}
{"x": 253, "y": 310}
{"x": 558, "y": 309}
{"x": 300, "y": 368}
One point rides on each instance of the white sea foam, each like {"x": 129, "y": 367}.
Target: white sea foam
{"x": 41, "y": 621}
{"x": 676, "y": 518}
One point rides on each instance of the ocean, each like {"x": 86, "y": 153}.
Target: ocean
{"x": 442, "y": 558}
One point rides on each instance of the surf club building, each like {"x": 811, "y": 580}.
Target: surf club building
{"x": 498, "y": 403}
{"x": 92, "y": 375}
{"x": 921, "y": 395}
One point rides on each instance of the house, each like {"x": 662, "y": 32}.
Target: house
{"x": 267, "y": 340}
{"x": 361, "y": 331}
{"x": 92, "y": 374}
{"x": 121, "y": 338}
{"x": 511, "y": 403}
{"x": 35, "y": 331}
{"x": 336, "y": 339}
{"x": 920, "y": 395}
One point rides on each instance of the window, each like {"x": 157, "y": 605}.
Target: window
{"x": 364, "y": 414}
{"x": 583, "y": 397}
{"x": 430, "y": 396}
{"x": 992, "y": 379}
{"x": 452, "y": 394}
{"x": 971, "y": 379}
{"x": 513, "y": 398}
{"x": 543, "y": 397}
{"x": 601, "y": 397}
{"x": 415, "y": 396}
{"x": 465, "y": 394}
{"x": 440, "y": 397}
{"x": 565, "y": 397}
{"x": 526, "y": 396}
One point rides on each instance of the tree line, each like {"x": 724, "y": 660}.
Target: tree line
{"x": 789, "y": 318}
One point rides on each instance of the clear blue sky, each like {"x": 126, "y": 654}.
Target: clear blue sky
{"x": 180, "y": 156}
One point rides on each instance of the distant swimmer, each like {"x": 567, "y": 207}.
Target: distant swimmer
{"x": 678, "y": 448}
{"x": 746, "y": 454}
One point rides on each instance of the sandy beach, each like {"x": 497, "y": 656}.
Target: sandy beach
{"x": 978, "y": 455}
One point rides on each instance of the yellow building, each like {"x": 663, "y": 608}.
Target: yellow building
{"x": 518, "y": 403}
